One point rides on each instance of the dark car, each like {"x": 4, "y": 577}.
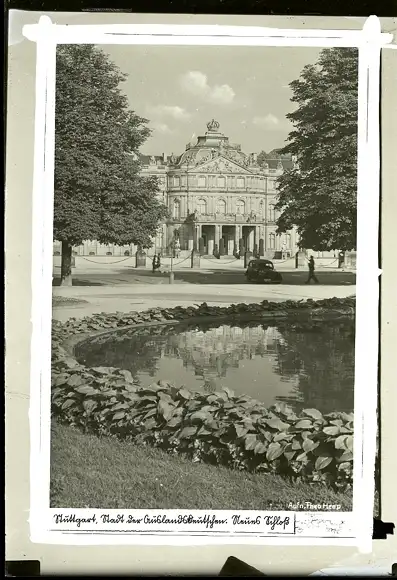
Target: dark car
{"x": 263, "y": 271}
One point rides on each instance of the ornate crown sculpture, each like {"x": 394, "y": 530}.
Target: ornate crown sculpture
{"x": 213, "y": 126}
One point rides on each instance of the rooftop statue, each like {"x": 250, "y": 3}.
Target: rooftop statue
{"x": 213, "y": 126}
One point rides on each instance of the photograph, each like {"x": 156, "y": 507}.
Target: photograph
{"x": 204, "y": 278}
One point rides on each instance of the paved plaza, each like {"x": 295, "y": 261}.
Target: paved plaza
{"x": 111, "y": 287}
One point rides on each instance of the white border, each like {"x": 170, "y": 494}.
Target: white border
{"x": 353, "y": 528}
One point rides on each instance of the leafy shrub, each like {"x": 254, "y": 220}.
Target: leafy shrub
{"x": 218, "y": 428}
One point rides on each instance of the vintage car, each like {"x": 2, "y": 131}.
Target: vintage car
{"x": 262, "y": 271}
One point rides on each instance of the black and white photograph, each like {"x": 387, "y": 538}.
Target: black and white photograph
{"x": 204, "y": 278}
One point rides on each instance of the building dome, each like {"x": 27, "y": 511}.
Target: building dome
{"x": 211, "y": 145}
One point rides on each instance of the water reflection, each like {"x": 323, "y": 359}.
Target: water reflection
{"x": 305, "y": 365}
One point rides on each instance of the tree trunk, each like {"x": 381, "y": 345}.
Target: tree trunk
{"x": 66, "y": 264}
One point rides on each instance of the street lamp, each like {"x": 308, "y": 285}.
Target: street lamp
{"x": 195, "y": 225}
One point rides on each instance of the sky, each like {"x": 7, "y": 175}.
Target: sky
{"x": 180, "y": 89}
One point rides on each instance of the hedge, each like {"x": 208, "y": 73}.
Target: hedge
{"x": 218, "y": 428}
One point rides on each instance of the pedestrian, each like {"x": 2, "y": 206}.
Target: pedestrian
{"x": 177, "y": 249}
{"x": 155, "y": 263}
{"x": 312, "y": 275}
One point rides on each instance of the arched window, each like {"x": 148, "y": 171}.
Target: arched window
{"x": 272, "y": 213}
{"x": 202, "y": 206}
{"x": 176, "y": 209}
{"x": 221, "y": 206}
{"x": 272, "y": 241}
{"x": 240, "y": 207}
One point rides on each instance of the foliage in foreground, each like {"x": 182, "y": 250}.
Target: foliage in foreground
{"x": 217, "y": 428}
{"x": 90, "y": 471}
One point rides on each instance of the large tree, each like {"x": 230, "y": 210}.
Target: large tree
{"x": 319, "y": 195}
{"x": 99, "y": 192}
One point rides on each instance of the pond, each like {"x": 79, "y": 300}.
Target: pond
{"x": 301, "y": 363}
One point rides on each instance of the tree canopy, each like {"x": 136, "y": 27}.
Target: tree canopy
{"x": 99, "y": 192}
{"x": 319, "y": 195}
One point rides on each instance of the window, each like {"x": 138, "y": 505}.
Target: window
{"x": 272, "y": 241}
{"x": 176, "y": 209}
{"x": 221, "y": 206}
{"x": 201, "y": 181}
{"x": 202, "y": 206}
{"x": 240, "y": 207}
{"x": 175, "y": 181}
{"x": 221, "y": 182}
{"x": 240, "y": 181}
{"x": 272, "y": 213}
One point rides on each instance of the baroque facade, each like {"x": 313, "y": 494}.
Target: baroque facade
{"x": 219, "y": 200}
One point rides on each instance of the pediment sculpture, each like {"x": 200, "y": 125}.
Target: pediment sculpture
{"x": 222, "y": 165}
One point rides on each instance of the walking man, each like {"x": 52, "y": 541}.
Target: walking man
{"x": 156, "y": 263}
{"x": 312, "y": 275}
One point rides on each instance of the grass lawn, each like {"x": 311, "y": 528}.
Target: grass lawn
{"x": 87, "y": 471}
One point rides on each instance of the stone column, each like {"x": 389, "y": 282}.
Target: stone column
{"x": 217, "y": 234}
{"x": 211, "y": 238}
{"x": 257, "y": 235}
{"x": 237, "y": 234}
{"x": 251, "y": 239}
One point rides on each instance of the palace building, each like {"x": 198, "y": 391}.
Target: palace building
{"x": 219, "y": 199}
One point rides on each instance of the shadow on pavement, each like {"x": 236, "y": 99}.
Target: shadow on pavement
{"x": 77, "y": 282}
{"x": 217, "y": 277}
{"x": 294, "y": 278}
